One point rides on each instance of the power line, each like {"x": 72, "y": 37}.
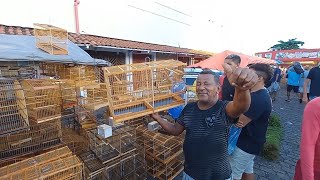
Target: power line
{"x": 172, "y": 9}
{"x": 159, "y": 15}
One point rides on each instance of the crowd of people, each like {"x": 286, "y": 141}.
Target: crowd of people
{"x": 242, "y": 98}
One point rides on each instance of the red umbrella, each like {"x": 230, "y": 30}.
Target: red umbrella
{"x": 216, "y": 61}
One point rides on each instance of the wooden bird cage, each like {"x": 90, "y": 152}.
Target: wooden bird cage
{"x": 17, "y": 72}
{"x": 51, "y": 39}
{"x": 13, "y": 111}
{"x": 40, "y": 159}
{"x": 52, "y": 165}
{"x": 43, "y": 98}
{"x": 92, "y": 166}
{"x": 162, "y": 147}
{"x": 136, "y": 90}
{"x": 122, "y": 141}
{"x": 166, "y": 171}
{"x": 76, "y": 143}
{"x": 130, "y": 167}
{"x": 39, "y": 137}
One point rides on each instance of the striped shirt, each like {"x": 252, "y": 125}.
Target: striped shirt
{"x": 205, "y": 145}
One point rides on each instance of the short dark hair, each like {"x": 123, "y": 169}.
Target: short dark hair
{"x": 263, "y": 70}
{"x": 215, "y": 75}
{"x": 235, "y": 58}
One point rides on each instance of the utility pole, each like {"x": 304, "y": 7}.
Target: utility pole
{"x": 76, "y": 15}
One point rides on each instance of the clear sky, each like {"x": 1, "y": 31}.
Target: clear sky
{"x": 246, "y": 26}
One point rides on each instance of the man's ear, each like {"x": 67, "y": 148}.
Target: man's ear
{"x": 218, "y": 88}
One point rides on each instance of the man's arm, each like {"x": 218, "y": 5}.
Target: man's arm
{"x": 173, "y": 129}
{"x": 240, "y": 104}
{"x": 305, "y": 85}
{"x": 243, "y": 121}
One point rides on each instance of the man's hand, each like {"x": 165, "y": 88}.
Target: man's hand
{"x": 239, "y": 124}
{"x": 155, "y": 116}
{"x": 242, "y": 78}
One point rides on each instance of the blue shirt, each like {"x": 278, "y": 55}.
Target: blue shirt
{"x": 293, "y": 78}
{"x": 314, "y": 76}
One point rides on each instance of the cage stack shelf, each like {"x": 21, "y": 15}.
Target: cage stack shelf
{"x": 51, "y": 39}
{"x": 43, "y": 98}
{"x": 57, "y": 164}
{"x": 13, "y": 110}
{"x": 136, "y": 90}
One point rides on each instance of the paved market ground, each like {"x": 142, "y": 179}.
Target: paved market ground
{"x": 291, "y": 116}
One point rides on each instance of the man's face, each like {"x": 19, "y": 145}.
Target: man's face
{"x": 231, "y": 63}
{"x": 206, "y": 88}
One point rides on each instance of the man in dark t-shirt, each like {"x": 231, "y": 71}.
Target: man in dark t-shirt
{"x": 207, "y": 121}
{"x": 255, "y": 124}
{"x": 314, "y": 78}
{"x": 227, "y": 89}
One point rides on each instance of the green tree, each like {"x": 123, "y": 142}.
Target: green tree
{"x": 287, "y": 45}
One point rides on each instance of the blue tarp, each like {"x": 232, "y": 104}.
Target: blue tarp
{"x": 23, "y": 48}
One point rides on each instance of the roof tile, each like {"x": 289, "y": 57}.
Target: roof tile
{"x": 104, "y": 41}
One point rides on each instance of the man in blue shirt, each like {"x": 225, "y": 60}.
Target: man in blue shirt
{"x": 255, "y": 124}
{"x": 293, "y": 80}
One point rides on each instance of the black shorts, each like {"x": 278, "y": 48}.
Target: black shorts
{"x": 294, "y": 88}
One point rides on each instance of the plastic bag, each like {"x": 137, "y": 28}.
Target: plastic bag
{"x": 274, "y": 87}
{"x": 234, "y": 133}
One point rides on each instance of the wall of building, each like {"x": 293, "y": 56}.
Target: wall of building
{"x": 115, "y": 58}
{"x": 165, "y": 56}
{"x": 140, "y": 58}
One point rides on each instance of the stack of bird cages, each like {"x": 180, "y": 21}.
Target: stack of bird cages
{"x": 13, "y": 111}
{"x": 37, "y": 138}
{"x": 56, "y": 164}
{"x": 43, "y": 98}
{"x": 121, "y": 143}
{"x": 51, "y": 39}
{"x": 136, "y": 90}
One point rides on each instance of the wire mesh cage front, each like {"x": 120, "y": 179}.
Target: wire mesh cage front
{"x": 13, "y": 110}
{"x": 136, "y": 90}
